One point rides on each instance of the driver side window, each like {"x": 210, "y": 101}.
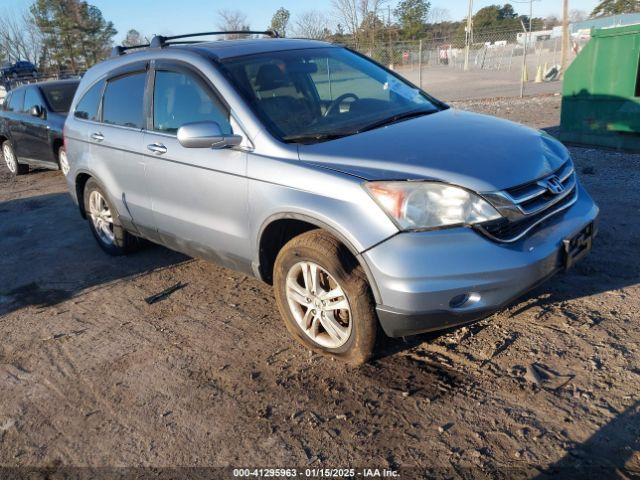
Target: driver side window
{"x": 180, "y": 98}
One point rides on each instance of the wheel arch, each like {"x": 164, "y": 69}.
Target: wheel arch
{"x": 80, "y": 182}
{"x": 278, "y": 229}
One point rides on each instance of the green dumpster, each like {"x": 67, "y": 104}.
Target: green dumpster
{"x": 601, "y": 91}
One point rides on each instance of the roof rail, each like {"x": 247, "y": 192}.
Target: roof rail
{"x": 120, "y": 50}
{"x": 160, "y": 41}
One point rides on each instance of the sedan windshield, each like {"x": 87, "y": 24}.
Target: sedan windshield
{"x": 313, "y": 95}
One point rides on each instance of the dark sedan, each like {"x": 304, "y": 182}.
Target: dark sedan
{"x": 31, "y": 123}
{"x": 20, "y": 69}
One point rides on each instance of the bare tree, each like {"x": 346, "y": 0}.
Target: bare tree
{"x": 133, "y": 37}
{"x": 20, "y": 38}
{"x": 438, "y": 15}
{"x": 312, "y": 24}
{"x": 353, "y": 13}
{"x": 232, "y": 20}
{"x": 577, "y": 15}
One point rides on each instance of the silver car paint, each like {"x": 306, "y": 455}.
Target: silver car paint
{"x": 216, "y": 203}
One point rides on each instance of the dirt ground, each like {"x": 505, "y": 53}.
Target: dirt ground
{"x": 90, "y": 375}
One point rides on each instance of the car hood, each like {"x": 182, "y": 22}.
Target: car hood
{"x": 475, "y": 151}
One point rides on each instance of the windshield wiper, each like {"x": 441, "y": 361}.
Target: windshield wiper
{"x": 396, "y": 118}
{"x": 315, "y": 137}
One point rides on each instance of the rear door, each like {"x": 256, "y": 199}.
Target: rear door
{"x": 199, "y": 195}
{"x": 116, "y": 144}
{"x": 36, "y": 131}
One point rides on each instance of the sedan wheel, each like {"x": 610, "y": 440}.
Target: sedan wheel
{"x": 63, "y": 161}
{"x": 319, "y": 305}
{"x": 101, "y": 217}
{"x": 9, "y": 158}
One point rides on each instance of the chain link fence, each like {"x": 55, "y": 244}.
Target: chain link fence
{"x": 498, "y": 61}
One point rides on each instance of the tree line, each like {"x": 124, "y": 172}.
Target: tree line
{"x": 72, "y": 35}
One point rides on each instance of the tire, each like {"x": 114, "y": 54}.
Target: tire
{"x": 119, "y": 241}
{"x": 63, "y": 162}
{"x": 338, "y": 270}
{"x": 11, "y": 161}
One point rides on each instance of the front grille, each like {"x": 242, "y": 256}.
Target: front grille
{"x": 526, "y": 206}
{"x": 534, "y": 197}
{"x": 509, "y": 230}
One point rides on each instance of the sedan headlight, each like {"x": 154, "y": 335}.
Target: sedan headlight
{"x": 416, "y": 205}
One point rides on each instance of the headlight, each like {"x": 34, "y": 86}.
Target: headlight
{"x": 422, "y": 205}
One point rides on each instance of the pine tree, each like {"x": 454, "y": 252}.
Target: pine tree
{"x": 616, "y": 7}
{"x": 412, "y": 15}
{"x": 279, "y": 21}
{"x": 76, "y": 35}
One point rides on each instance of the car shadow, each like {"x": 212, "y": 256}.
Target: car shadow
{"x": 49, "y": 254}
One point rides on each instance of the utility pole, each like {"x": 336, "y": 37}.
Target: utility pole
{"x": 469, "y": 35}
{"x": 565, "y": 36}
{"x": 527, "y": 42}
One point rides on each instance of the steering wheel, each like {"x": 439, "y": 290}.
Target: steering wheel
{"x": 336, "y": 103}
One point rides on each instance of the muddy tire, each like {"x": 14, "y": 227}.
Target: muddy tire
{"x": 11, "y": 161}
{"x": 324, "y": 297}
{"x": 105, "y": 223}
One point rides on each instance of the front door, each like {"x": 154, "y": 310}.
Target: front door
{"x": 198, "y": 195}
{"x": 35, "y": 129}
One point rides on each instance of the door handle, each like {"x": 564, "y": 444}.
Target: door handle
{"x": 98, "y": 137}
{"x": 157, "y": 148}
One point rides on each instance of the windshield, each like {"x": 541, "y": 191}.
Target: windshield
{"x": 319, "y": 94}
{"x": 59, "y": 96}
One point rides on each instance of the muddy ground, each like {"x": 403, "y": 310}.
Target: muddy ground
{"x": 90, "y": 375}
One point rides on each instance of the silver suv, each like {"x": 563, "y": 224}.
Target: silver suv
{"x": 364, "y": 201}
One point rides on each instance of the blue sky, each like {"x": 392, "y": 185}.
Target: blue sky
{"x": 178, "y": 16}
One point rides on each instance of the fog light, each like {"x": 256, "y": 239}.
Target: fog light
{"x": 465, "y": 300}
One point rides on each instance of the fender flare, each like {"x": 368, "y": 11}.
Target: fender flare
{"x": 324, "y": 226}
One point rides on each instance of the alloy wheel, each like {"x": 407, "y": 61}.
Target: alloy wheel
{"x": 9, "y": 158}
{"x": 318, "y": 304}
{"x": 64, "y": 162}
{"x": 101, "y": 217}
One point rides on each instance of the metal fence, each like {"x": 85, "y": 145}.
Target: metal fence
{"x": 497, "y": 64}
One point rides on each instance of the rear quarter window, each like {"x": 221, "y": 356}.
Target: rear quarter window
{"x": 88, "y": 106}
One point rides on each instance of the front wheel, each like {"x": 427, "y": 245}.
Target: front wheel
{"x": 104, "y": 222}
{"x": 324, "y": 297}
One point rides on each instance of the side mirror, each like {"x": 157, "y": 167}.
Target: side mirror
{"x": 36, "y": 111}
{"x": 206, "y": 135}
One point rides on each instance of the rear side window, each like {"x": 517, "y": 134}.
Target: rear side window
{"x": 16, "y": 101}
{"x": 179, "y": 98}
{"x": 123, "y": 101}
{"x": 87, "y": 108}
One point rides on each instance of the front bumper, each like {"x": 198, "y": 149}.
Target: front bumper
{"x": 423, "y": 278}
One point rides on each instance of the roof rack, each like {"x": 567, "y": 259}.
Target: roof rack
{"x": 120, "y": 50}
{"x": 160, "y": 41}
